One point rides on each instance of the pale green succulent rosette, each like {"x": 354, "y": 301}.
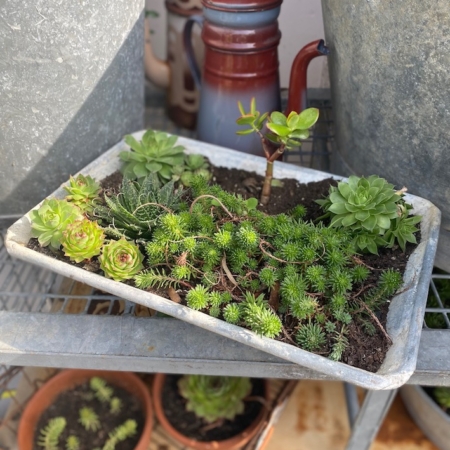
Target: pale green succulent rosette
{"x": 369, "y": 203}
{"x": 83, "y": 191}
{"x": 49, "y": 222}
{"x": 213, "y": 398}
{"x": 82, "y": 240}
{"x": 121, "y": 260}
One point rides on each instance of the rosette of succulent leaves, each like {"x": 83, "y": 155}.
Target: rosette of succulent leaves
{"x": 156, "y": 153}
{"x": 213, "y": 398}
{"x": 284, "y": 132}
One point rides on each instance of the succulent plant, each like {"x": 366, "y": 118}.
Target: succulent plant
{"x": 102, "y": 391}
{"x": 136, "y": 209}
{"x": 193, "y": 165}
{"x": 213, "y": 398}
{"x": 372, "y": 210}
{"x": 83, "y": 191}
{"x": 442, "y": 396}
{"x": 156, "y": 153}
{"x": 121, "y": 433}
{"x": 284, "y": 132}
{"x": 121, "y": 260}
{"x": 82, "y": 240}
{"x": 49, "y": 436}
{"x": 89, "y": 419}
{"x": 72, "y": 443}
{"x": 49, "y": 222}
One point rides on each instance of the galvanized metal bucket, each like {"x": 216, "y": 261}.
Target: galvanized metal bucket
{"x": 406, "y": 310}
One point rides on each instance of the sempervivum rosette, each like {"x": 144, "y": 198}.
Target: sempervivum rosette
{"x": 121, "y": 260}
{"x": 82, "y": 240}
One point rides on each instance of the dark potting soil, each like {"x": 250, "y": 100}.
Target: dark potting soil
{"x": 187, "y": 423}
{"x": 364, "y": 351}
{"x": 68, "y": 404}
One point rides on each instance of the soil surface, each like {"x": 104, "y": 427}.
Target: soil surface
{"x": 190, "y": 425}
{"x": 69, "y": 403}
{"x": 364, "y": 351}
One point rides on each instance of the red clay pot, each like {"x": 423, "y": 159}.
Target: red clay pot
{"x": 233, "y": 443}
{"x": 68, "y": 379}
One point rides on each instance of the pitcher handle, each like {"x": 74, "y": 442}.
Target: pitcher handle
{"x": 189, "y": 48}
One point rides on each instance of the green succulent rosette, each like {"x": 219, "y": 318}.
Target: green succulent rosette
{"x": 83, "y": 191}
{"x": 368, "y": 203}
{"x": 49, "y": 222}
{"x": 213, "y": 398}
{"x": 82, "y": 240}
{"x": 121, "y": 260}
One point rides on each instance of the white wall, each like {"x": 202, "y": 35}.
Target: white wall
{"x": 300, "y": 22}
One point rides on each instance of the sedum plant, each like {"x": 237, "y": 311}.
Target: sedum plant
{"x": 83, "y": 191}
{"x": 82, "y": 240}
{"x": 120, "y": 434}
{"x": 372, "y": 210}
{"x": 49, "y": 222}
{"x": 89, "y": 419}
{"x": 121, "y": 260}
{"x": 442, "y": 396}
{"x": 213, "y": 398}
{"x": 72, "y": 443}
{"x": 193, "y": 165}
{"x": 284, "y": 132}
{"x": 49, "y": 436}
{"x": 102, "y": 391}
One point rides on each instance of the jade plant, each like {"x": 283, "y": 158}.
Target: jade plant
{"x": 284, "y": 132}
{"x": 50, "y": 436}
{"x": 214, "y": 398}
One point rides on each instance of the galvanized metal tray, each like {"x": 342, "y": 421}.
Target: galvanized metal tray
{"x": 404, "y": 322}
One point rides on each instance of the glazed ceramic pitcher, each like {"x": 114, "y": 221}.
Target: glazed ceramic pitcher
{"x": 174, "y": 74}
{"x": 241, "y": 40}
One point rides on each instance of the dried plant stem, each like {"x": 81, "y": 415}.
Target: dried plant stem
{"x": 215, "y": 198}
{"x": 375, "y": 318}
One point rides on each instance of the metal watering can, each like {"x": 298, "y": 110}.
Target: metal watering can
{"x": 241, "y": 40}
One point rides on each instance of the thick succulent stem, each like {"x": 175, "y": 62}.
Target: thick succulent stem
{"x": 267, "y": 186}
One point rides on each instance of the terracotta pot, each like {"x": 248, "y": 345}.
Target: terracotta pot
{"x": 233, "y": 443}
{"x": 68, "y": 379}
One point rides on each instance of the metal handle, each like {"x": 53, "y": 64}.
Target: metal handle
{"x": 189, "y": 48}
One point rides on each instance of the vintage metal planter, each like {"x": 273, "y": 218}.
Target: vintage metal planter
{"x": 406, "y": 309}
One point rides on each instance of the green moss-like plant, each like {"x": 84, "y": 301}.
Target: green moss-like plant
{"x": 72, "y": 443}
{"x": 121, "y": 433}
{"x": 212, "y": 398}
{"x": 102, "y": 391}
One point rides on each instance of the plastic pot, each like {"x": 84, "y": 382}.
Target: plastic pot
{"x": 69, "y": 379}
{"x": 233, "y": 443}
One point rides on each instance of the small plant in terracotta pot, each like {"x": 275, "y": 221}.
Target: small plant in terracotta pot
{"x": 208, "y": 412}
{"x": 85, "y": 410}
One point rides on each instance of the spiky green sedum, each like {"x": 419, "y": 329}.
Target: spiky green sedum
{"x": 83, "y": 191}
{"x": 121, "y": 433}
{"x": 121, "y": 260}
{"x": 49, "y": 222}
{"x": 82, "y": 240}
{"x": 156, "y": 153}
{"x": 89, "y": 419}
{"x": 49, "y": 436}
{"x": 72, "y": 443}
{"x": 212, "y": 398}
